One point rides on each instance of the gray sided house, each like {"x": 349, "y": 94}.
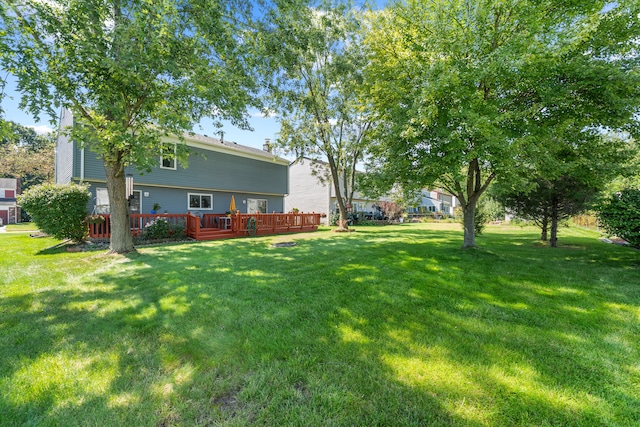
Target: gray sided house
{"x": 257, "y": 180}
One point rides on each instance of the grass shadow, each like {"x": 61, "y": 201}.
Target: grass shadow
{"x": 395, "y": 326}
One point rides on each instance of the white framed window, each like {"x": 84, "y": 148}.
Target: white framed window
{"x": 102, "y": 201}
{"x": 168, "y": 156}
{"x": 200, "y": 201}
{"x": 135, "y": 204}
{"x": 103, "y": 206}
{"x": 256, "y": 206}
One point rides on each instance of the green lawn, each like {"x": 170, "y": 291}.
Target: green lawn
{"x": 23, "y": 226}
{"x": 385, "y": 326}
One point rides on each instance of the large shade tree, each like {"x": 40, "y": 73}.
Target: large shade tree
{"x": 131, "y": 72}
{"x": 314, "y": 64}
{"x": 466, "y": 89}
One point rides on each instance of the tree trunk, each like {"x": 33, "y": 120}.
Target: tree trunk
{"x": 475, "y": 186}
{"x": 553, "y": 240}
{"x": 344, "y": 217}
{"x": 121, "y": 241}
{"x": 342, "y": 208}
{"x": 469, "y": 219}
{"x": 545, "y": 228}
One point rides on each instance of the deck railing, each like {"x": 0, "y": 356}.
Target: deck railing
{"x": 274, "y": 223}
{"x": 236, "y": 225}
{"x": 137, "y": 223}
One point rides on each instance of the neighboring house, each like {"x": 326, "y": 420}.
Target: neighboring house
{"x": 309, "y": 194}
{"x": 9, "y": 209}
{"x": 436, "y": 201}
{"x": 256, "y": 179}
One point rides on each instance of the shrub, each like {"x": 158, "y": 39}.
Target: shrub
{"x": 428, "y": 217}
{"x": 58, "y": 210}
{"x": 493, "y": 209}
{"x": 333, "y": 218}
{"x": 352, "y": 218}
{"x": 458, "y": 213}
{"x": 392, "y": 210}
{"x": 619, "y": 215}
{"x": 480, "y": 220}
{"x": 160, "y": 228}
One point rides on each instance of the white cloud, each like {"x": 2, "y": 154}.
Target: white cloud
{"x": 264, "y": 114}
{"x": 42, "y": 129}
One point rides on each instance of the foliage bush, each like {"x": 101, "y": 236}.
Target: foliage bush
{"x": 333, "y": 218}
{"x": 493, "y": 208}
{"x": 352, "y": 218}
{"x": 58, "y": 210}
{"x": 392, "y": 210}
{"x": 458, "y": 214}
{"x": 160, "y": 228}
{"x": 619, "y": 215}
{"x": 427, "y": 219}
{"x": 480, "y": 220}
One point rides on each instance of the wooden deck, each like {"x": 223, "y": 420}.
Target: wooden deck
{"x": 218, "y": 226}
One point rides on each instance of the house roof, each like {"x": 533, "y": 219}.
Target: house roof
{"x": 214, "y": 144}
{"x": 230, "y": 147}
{"x": 302, "y": 159}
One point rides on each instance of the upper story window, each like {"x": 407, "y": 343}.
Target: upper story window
{"x": 168, "y": 156}
{"x": 7, "y": 194}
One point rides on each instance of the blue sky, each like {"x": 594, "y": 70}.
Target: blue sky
{"x": 263, "y": 127}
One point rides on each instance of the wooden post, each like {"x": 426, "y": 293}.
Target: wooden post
{"x": 274, "y": 218}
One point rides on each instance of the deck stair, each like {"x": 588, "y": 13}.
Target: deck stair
{"x": 215, "y": 234}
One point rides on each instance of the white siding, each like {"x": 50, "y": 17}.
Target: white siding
{"x": 9, "y": 184}
{"x": 64, "y": 150}
{"x": 306, "y": 192}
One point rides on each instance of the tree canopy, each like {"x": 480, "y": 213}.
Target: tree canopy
{"x": 467, "y": 91}
{"x": 131, "y": 72}
{"x": 314, "y": 64}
